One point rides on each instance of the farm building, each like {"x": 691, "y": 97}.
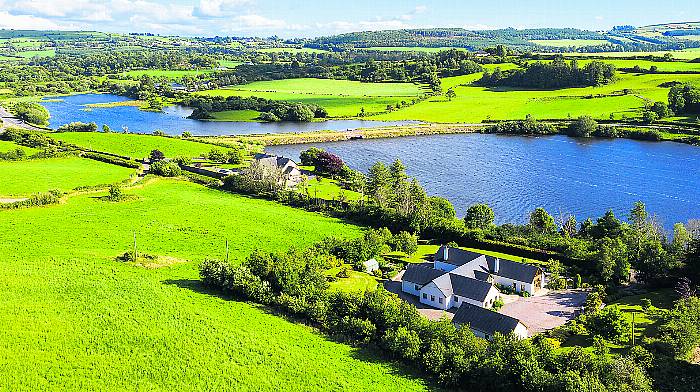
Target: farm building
{"x": 486, "y": 323}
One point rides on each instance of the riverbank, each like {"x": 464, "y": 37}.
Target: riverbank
{"x": 281, "y": 139}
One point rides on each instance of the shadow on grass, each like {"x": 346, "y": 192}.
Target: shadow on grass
{"x": 369, "y": 354}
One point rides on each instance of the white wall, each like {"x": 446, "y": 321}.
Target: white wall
{"x": 521, "y": 331}
{"x": 509, "y": 283}
{"x": 409, "y": 287}
{"x": 431, "y": 290}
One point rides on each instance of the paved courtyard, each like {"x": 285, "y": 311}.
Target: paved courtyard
{"x": 546, "y": 311}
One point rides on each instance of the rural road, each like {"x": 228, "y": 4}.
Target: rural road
{"x": 8, "y": 120}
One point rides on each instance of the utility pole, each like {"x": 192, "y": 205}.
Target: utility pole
{"x": 633, "y": 314}
{"x": 136, "y": 255}
{"x": 227, "y": 251}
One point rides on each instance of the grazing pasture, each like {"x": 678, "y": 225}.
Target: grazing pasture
{"x": 625, "y": 97}
{"x": 133, "y": 145}
{"x": 685, "y": 54}
{"x": 342, "y": 98}
{"x": 408, "y": 49}
{"x": 28, "y": 54}
{"x": 6, "y": 146}
{"x": 72, "y": 315}
{"x": 21, "y": 178}
{"x": 235, "y": 115}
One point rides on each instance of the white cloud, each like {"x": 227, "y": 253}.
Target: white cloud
{"x": 218, "y": 8}
{"x": 420, "y": 9}
{"x": 9, "y": 21}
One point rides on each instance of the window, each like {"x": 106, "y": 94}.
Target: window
{"x": 425, "y": 296}
{"x": 440, "y": 299}
{"x": 522, "y": 287}
{"x": 415, "y": 286}
{"x": 456, "y": 298}
{"x": 432, "y": 298}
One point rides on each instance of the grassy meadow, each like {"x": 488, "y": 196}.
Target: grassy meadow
{"x": 23, "y": 178}
{"x": 6, "y": 146}
{"x": 475, "y": 104}
{"x": 133, "y": 145}
{"x": 685, "y": 54}
{"x": 342, "y": 98}
{"x": 235, "y": 115}
{"x": 73, "y": 317}
{"x": 291, "y": 50}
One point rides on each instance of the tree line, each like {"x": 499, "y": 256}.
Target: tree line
{"x": 271, "y": 110}
{"x": 557, "y": 74}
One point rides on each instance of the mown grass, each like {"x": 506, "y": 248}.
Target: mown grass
{"x": 21, "y": 178}
{"x": 6, "y": 146}
{"x": 133, "y": 145}
{"x": 328, "y": 189}
{"x": 74, "y": 318}
{"x": 356, "y": 281}
{"x": 475, "y": 104}
{"x": 342, "y": 98}
{"x": 425, "y": 253}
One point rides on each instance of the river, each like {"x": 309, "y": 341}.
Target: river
{"x": 173, "y": 120}
{"x": 516, "y": 174}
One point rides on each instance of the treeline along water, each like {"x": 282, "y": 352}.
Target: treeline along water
{"x": 173, "y": 120}
{"x": 515, "y": 174}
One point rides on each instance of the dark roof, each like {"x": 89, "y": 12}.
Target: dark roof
{"x": 421, "y": 274}
{"x": 470, "y": 288}
{"x": 279, "y": 161}
{"x": 456, "y": 256}
{"x": 513, "y": 270}
{"x": 484, "y": 320}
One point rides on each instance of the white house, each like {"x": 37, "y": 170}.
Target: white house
{"x": 486, "y": 323}
{"x": 520, "y": 277}
{"x": 371, "y": 265}
{"x": 291, "y": 175}
{"x": 459, "y": 278}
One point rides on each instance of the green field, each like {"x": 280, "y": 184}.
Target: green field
{"x": 408, "y": 49}
{"x": 686, "y": 54}
{"x": 291, "y": 50}
{"x": 133, "y": 145}
{"x": 235, "y": 115}
{"x": 341, "y": 98}
{"x": 22, "y": 178}
{"x": 229, "y": 63}
{"x": 6, "y": 146}
{"x": 28, "y": 54}
{"x": 73, "y": 317}
{"x": 567, "y": 43}
{"x": 161, "y": 73}
{"x": 475, "y": 104}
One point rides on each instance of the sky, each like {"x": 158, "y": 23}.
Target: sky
{"x": 298, "y": 18}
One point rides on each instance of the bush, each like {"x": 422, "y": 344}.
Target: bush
{"x": 166, "y": 169}
{"x": 584, "y": 126}
{"x": 115, "y": 193}
{"x": 405, "y": 242}
{"x": 156, "y": 155}
{"x": 111, "y": 159}
{"x": 182, "y": 160}
{"x": 217, "y": 155}
{"x": 609, "y": 323}
{"x": 78, "y": 127}
{"x": 13, "y": 155}
{"x": 31, "y": 112}
{"x": 498, "y": 304}
{"x": 646, "y": 304}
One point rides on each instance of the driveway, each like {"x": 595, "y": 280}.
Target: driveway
{"x": 548, "y": 311}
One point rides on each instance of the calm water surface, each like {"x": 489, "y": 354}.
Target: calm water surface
{"x": 173, "y": 120}
{"x": 517, "y": 174}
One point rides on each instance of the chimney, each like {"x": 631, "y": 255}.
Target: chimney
{"x": 496, "y": 265}
{"x": 445, "y": 252}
